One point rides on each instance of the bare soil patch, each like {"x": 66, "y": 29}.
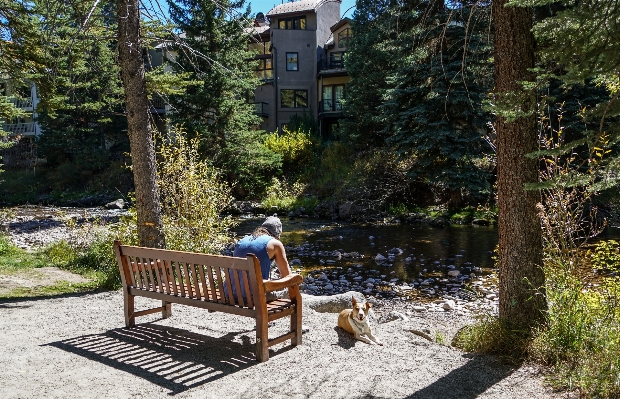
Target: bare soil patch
{"x": 33, "y": 278}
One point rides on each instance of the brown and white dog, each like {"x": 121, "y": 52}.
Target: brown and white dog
{"x": 355, "y": 321}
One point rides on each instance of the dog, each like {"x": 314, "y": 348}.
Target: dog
{"x": 355, "y": 321}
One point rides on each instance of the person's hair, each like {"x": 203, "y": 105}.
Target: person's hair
{"x": 261, "y": 231}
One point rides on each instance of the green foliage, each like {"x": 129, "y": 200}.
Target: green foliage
{"x": 490, "y": 334}
{"x": 606, "y": 255}
{"x": 216, "y": 109}
{"x": 81, "y": 111}
{"x": 193, "y": 197}
{"x": 288, "y": 197}
{"x": 335, "y": 167}
{"x": 6, "y": 247}
{"x": 419, "y": 74}
{"x": 296, "y": 147}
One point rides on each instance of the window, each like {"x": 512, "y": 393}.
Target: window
{"x": 261, "y": 48}
{"x": 332, "y": 98}
{"x": 343, "y": 37}
{"x": 292, "y": 62}
{"x": 264, "y": 69}
{"x": 292, "y": 23}
{"x": 336, "y": 59}
{"x": 294, "y": 98}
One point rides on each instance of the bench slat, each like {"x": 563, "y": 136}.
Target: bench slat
{"x": 246, "y": 285}
{"x": 179, "y": 278}
{"x": 227, "y": 280}
{"x": 141, "y": 273}
{"x": 196, "y": 283}
{"x": 212, "y": 283}
{"x": 205, "y": 290}
{"x": 164, "y": 275}
{"x": 220, "y": 283}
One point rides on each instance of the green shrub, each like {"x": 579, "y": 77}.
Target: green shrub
{"x": 288, "y": 197}
{"x": 296, "y": 147}
{"x": 606, "y": 255}
{"x": 6, "y": 246}
{"x": 193, "y": 198}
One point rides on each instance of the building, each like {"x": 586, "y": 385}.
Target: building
{"x": 25, "y": 128}
{"x": 293, "y": 44}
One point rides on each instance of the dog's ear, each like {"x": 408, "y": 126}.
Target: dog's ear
{"x": 368, "y": 305}
{"x": 353, "y": 300}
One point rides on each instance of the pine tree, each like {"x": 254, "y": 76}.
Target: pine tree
{"x": 216, "y": 53}
{"x": 81, "y": 115}
{"x": 369, "y": 60}
{"x": 435, "y": 111}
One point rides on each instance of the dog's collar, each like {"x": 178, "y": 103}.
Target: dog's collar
{"x": 357, "y": 323}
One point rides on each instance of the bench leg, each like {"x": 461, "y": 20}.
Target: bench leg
{"x": 130, "y": 319}
{"x": 296, "y": 326}
{"x": 167, "y": 312}
{"x": 262, "y": 340}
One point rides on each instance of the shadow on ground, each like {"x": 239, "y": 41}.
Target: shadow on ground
{"x": 169, "y": 357}
{"x": 469, "y": 381}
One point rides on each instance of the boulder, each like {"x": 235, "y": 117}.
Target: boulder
{"x": 118, "y": 204}
{"x": 332, "y": 303}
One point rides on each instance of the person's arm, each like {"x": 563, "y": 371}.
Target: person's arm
{"x": 276, "y": 251}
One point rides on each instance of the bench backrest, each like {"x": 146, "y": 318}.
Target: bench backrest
{"x": 191, "y": 275}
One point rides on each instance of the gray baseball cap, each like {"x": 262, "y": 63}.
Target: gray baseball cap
{"x": 273, "y": 226}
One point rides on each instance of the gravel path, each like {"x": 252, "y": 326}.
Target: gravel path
{"x": 75, "y": 347}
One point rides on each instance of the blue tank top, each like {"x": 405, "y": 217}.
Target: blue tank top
{"x": 250, "y": 245}
{"x": 257, "y": 246}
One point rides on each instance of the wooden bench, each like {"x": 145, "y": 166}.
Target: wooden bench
{"x": 195, "y": 279}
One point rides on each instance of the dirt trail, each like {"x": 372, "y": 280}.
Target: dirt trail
{"x": 75, "y": 347}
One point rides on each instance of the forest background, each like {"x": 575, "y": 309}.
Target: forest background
{"x": 426, "y": 112}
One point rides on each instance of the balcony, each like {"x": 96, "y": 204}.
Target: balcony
{"x": 158, "y": 105}
{"x": 23, "y": 103}
{"x": 330, "y": 107}
{"x": 19, "y": 129}
{"x": 260, "y": 109}
{"x": 331, "y": 67}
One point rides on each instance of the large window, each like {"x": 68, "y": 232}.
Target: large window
{"x": 264, "y": 69}
{"x": 343, "y": 37}
{"x": 332, "y": 98}
{"x": 292, "y": 23}
{"x": 292, "y": 62}
{"x": 294, "y": 98}
{"x": 261, "y": 48}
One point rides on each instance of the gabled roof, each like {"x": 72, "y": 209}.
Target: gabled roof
{"x": 340, "y": 24}
{"x": 298, "y": 6}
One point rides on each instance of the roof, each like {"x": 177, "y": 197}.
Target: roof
{"x": 256, "y": 30}
{"x": 297, "y": 6}
{"x": 340, "y": 24}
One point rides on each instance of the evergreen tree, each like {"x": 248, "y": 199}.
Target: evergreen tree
{"x": 419, "y": 73}
{"x": 369, "y": 60}
{"x": 435, "y": 111}
{"x": 81, "y": 115}
{"x": 216, "y": 53}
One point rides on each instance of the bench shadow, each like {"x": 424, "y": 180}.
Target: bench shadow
{"x": 172, "y": 358}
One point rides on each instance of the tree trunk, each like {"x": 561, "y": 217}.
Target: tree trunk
{"x": 522, "y": 301}
{"x": 148, "y": 208}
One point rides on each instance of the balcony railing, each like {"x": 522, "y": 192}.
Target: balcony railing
{"x": 158, "y": 105}
{"x": 264, "y": 75}
{"x": 260, "y": 109}
{"x": 23, "y": 103}
{"x": 23, "y": 129}
{"x": 330, "y": 105}
{"x": 326, "y": 65}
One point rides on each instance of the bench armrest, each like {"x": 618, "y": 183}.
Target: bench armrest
{"x": 288, "y": 281}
